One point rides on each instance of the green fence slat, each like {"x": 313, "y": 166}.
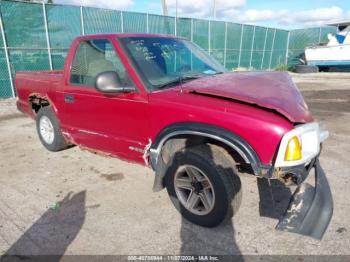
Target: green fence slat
{"x": 248, "y": 32}
{"x": 304, "y": 37}
{"x": 134, "y": 22}
{"x": 247, "y": 38}
{"x": 161, "y": 24}
{"x": 281, "y": 39}
{"x": 1, "y": 42}
{"x": 200, "y": 33}
{"x": 218, "y": 54}
{"x": 268, "y": 46}
{"x": 24, "y": 24}
{"x": 217, "y": 35}
{"x": 259, "y": 38}
{"x": 266, "y": 59}
{"x": 5, "y": 84}
{"x": 232, "y": 58}
{"x": 233, "y": 37}
{"x": 280, "y": 48}
{"x": 269, "y": 39}
{"x": 245, "y": 58}
{"x": 58, "y": 58}
{"x": 217, "y": 40}
{"x": 278, "y": 57}
{"x": 29, "y": 60}
{"x": 183, "y": 27}
{"x": 257, "y": 59}
{"x": 63, "y": 24}
{"x": 101, "y": 21}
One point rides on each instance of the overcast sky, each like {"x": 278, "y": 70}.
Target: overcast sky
{"x": 280, "y": 13}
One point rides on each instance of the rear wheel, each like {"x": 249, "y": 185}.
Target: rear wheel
{"x": 49, "y": 130}
{"x": 203, "y": 185}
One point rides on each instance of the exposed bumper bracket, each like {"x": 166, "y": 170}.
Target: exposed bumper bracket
{"x": 310, "y": 209}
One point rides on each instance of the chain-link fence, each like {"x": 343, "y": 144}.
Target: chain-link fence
{"x": 37, "y": 36}
{"x": 301, "y": 38}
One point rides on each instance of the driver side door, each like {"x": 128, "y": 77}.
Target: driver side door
{"x": 115, "y": 123}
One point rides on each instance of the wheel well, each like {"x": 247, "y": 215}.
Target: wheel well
{"x": 179, "y": 142}
{"x": 36, "y": 102}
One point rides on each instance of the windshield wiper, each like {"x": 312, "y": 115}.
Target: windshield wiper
{"x": 178, "y": 80}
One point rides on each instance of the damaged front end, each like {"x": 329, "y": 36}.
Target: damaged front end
{"x": 311, "y": 207}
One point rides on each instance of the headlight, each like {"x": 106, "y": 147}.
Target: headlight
{"x": 300, "y": 145}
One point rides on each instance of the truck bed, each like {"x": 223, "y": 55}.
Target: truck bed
{"x": 40, "y": 83}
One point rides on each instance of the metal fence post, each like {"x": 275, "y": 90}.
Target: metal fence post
{"x": 147, "y": 21}
{"x": 287, "y": 48}
{"x": 251, "y": 52}
{"x": 82, "y": 21}
{"x": 7, "y": 56}
{"x": 263, "y": 56}
{"x": 191, "y": 41}
{"x": 191, "y": 29}
{"x": 209, "y": 36}
{"x": 47, "y": 35}
{"x": 121, "y": 21}
{"x": 240, "y": 46}
{"x": 175, "y": 26}
{"x": 225, "y": 44}
{"x": 273, "y": 46}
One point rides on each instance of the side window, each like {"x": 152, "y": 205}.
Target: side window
{"x": 93, "y": 57}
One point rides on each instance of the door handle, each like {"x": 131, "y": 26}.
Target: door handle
{"x": 69, "y": 99}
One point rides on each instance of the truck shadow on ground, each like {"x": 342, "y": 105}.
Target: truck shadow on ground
{"x": 274, "y": 198}
{"x": 197, "y": 240}
{"x": 52, "y": 233}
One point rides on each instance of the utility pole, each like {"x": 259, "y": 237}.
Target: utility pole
{"x": 176, "y": 9}
{"x": 214, "y": 9}
{"x": 165, "y": 7}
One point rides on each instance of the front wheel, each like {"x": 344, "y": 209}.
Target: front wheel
{"x": 203, "y": 185}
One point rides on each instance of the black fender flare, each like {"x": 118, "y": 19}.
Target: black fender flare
{"x": 223, "y": 135}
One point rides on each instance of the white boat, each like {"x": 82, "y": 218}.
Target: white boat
{"x": 336, "y": 53}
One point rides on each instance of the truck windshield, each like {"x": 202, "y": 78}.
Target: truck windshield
{"x": 164, "y": 62}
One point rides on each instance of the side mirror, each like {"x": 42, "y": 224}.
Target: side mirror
{"x": 109, "y": 82}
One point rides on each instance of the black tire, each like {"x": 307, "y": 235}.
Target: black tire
{"x": 59, "y": 142}
{"x": 324, "y": 69}
{"x": 220, "y": 169}
{"x": 304, "y": 69}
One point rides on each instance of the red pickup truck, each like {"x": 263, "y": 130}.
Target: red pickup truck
{"x": 163, "y": 102}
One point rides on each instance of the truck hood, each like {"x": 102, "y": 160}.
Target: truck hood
{"x": 270, "y": 90}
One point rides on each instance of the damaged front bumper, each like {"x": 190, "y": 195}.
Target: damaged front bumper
{"x": 311, "y": 207}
